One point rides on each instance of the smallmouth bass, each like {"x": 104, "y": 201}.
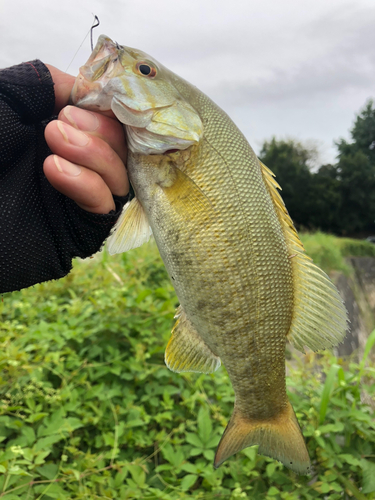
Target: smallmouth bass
{"x": 244, "y": 282}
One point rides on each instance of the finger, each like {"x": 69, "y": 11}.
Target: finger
{"x": 105, "y": 127}
{"x": 63, "y": 84}
{"x": 81, "y": 184}
{"x": 89, "y": 151}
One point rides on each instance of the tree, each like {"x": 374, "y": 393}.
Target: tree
{"x": 337, "y": 198}
{"x": 289, "y": 162}
{"x": 356, "y": 172}
{"x": 325, "y": 200}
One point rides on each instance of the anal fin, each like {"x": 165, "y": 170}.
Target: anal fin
{"x": 131, "y": 230}
{"x": 186, "y": 350}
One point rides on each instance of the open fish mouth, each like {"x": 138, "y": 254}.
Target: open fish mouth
{"x": 101, "y": 68}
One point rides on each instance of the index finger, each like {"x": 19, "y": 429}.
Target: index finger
{"x": 107, "y": 128}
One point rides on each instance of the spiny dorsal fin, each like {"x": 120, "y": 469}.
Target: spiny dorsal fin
{"x": 186, "y": 351}
{"x": 319, "y": 315}
{"x": 131, "y": 230}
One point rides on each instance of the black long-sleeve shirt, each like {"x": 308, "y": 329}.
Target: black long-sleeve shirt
{"x": 41, "y": 230}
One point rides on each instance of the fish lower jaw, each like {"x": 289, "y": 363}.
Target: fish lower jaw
{"x": 141, "y": 141}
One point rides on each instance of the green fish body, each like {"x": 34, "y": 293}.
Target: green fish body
{"x": 240, "y": 272}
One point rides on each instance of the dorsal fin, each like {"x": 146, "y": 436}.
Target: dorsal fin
{"x": 319, "y": 316}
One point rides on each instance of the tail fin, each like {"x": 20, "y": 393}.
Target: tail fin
{"x": 280, "y": 438}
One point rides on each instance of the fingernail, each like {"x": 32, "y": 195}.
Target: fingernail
{"x": 82, "y": 119}
{"x": 72, "y": 135}
{"x": 66, "y": 167}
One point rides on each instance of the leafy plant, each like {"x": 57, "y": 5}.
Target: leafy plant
{"x": 89, "y": 410}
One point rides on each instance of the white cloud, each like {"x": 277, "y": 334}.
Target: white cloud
{"x": 295, "y": 67}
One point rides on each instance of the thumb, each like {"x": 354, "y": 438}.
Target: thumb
{"x": 63, "y": 87}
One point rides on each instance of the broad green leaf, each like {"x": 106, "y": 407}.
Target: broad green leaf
{"x": 328, "y": 389}
{"x": 138, "y": 475}
{"x": 36, "y": 417}
{"x": 16, "y": 470}
{"x": 335, "y": 428}
{"x": 209, "y": 455}
{"x": 368, "y": 476}
{"x": 48, "y": 470}
{"x": 29, "y": 433}
{"x": 189, "y": 467}
{"x": 161, "y": 468}
{"x": 194, "y": 440}
{"x": 41, "y": 456}
{"x": 350, "y": 459}
{"x": 213, "y": 442}
{"x": 204, "y": 425}
{"x": 196, "y": 451}
{"x": 273, "y": 491}
{"x": 52, "y": 490}
{"x": 251, "y": 452}
{"x": 120, "y": 477}
{"x": 174, "y": 457}
{"x": 46, "y": 442}
{"x": 369, "y": 345}
{"x": 188, "y": 481}
{"x": 325, "y": 487}
{"x": 270, "y": 469}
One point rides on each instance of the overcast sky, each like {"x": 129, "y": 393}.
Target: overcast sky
{"x": 290, "y": 68}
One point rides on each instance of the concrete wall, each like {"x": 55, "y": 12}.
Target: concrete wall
{"x": 358, "y": 292}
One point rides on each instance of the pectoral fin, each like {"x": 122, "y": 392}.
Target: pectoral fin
{"x": 131, "y": 230}
{"x": 186, "y": 351}
{"x": 185, "y": 197}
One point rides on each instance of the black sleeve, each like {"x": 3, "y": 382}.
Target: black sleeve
{"x": 41, "y": 230}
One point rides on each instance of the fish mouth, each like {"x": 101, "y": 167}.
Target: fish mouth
{"x": 157, "y": 119}
{"x": 103, "y": 65}
{"x": 97, "y": 65}
{"x": 104, "y": 47}
{"x": 100, "y": 85}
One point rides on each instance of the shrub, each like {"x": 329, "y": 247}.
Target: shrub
{"x": 325, "y": 250}
{"x": 89, "y": 410}
{"x": 329, "y": 252}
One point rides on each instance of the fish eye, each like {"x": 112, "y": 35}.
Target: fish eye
{"x": 146, "y": 69}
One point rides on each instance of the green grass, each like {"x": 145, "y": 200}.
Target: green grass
{"x": 329, "y": 252}
{"x": 88, "y": 409}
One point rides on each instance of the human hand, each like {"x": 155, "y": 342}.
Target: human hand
{"x": 89, "y": 149}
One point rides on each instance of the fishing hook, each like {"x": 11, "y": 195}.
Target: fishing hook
{"x": 96, "y": 20}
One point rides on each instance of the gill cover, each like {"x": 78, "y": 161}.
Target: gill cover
{"x": 140, "y": 92}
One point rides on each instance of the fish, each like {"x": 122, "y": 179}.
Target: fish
{"x": 241, "y": 274}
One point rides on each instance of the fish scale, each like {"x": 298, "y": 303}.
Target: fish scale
{"x": 253, "y": 286}
{"x": 244, "y": 282}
